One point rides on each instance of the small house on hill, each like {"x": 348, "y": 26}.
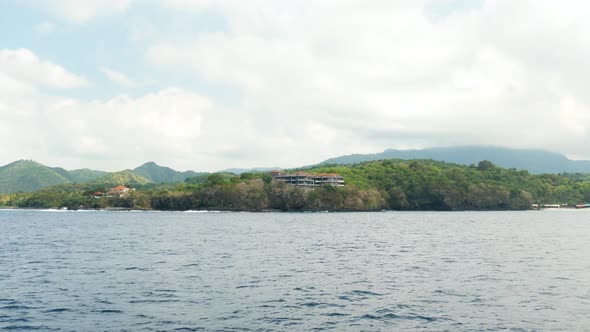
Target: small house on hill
{"x": 119, "y": 191}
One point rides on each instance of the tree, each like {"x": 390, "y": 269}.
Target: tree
{"x": 215, "y": 179}
{"x": 485, "y": 165}
{"x": 4, "y": 199}
{"x": 397, "y": 199}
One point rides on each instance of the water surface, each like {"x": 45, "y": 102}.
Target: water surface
{"x": 162, "y": 271}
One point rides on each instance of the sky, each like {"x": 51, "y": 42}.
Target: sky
{"x": 208, "y": 85}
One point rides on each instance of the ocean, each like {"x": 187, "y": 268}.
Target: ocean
{"x": 379, "y": 271}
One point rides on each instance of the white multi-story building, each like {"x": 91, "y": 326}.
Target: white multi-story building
{"x": 305, "y": 179}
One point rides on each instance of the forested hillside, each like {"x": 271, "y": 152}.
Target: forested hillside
{"x": 28, "y": 175}
{"x": 25, "y": 175}
{"x": 161, "y": 174}
{"x": 388, "y": 184}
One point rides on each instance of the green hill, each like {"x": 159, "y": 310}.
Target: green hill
{"x": 159, "y": 174}
{"x": 85, "y": 175}
{"x": 126, "y": 177}
{"x": 79, "y": 175}
{"x": 27, "y": 175}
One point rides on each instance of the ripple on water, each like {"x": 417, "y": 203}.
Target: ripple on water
{"x": 153, "y": 301}
{"x": 8, "y": 319}
{"x": 109, "y": 311}
{"x": 359, "y": 295}
{"x": 25, "y": 328}
{"x": 57, "y": 310}
{"x": 16, "y": 307}
{"x": 321, "y": 305}
{"x": 393, "y": 316}
{"x": 336, "y": 314}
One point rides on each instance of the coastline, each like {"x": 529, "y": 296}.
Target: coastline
{"x": 117, "y": 209}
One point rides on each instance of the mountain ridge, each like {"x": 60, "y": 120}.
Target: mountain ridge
{"x": 536, "y": 161}
{"x": 28, "y": 175}
{"x": 159, "y": 174}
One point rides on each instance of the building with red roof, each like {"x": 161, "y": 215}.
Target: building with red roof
{"x": 119, "y": 191}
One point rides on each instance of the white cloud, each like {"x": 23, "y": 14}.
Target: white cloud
{"x": 167, "y": 122}
{"x": 386, "y": 74}
{"x": 23, "y": 65}
{"x": 301, "y": 81}
{"x": 110, "y": 134}
{"x": 117, "y": 77}
{"x": 80, "y": 11}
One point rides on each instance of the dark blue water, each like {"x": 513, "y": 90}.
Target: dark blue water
{"x": 156, "y": 271}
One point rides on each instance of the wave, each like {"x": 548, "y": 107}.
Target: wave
{"x": 51, "y": 210}
{"x": 202, "y": 211}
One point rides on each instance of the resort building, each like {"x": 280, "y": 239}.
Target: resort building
{"x": 118, "y": 191}
{"x": 305, "y": 179}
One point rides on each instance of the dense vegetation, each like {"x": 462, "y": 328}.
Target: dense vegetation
{"x": 387, "y": 184}
{"x": 27, "y": 175}
{"x": 160, "y": 174}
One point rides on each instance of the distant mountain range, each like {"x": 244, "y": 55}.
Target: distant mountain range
{"x": 28, "y": 175}
{"x": 534, "y": 160}
{"x": 159, "y": 174}
{"x": 239, "y": 171}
